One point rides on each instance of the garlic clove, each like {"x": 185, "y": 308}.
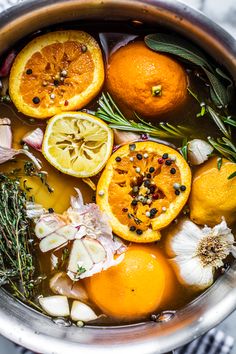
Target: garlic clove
{"x": 47, "y": 224}
{"x": 79, "y": 255}
{"x": 82, "y": 312}
{"x": 123, "y": 137}
{"x": 61, "y": 284}
{"x": 67, "y": 231}
{"x": 5, "y": 133}
{"x": 95, "y": 249}
{"x": 51, "y": 242}
{"x": 183, "y": 238}
{"x": 190, "y": 272}
{"x": 34, "y": 139}
{"x": 55, "y": 305}
{"x": 198, "y": 151}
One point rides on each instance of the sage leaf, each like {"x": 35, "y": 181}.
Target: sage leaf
{"x": 177, "y": 46}
{"x": 220, "y": 96}
{"x": 230, "y": 87}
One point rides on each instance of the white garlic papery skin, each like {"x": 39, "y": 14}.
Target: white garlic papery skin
{"x": 198, "y": 151}
{"x": 5, "y": 133}
{"x": 197, "y": 252}
{"x": 124, "y": 137}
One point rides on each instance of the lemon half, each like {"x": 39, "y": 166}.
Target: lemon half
{"x": 77, "y": 143}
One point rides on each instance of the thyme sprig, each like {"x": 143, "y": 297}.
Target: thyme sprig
{"x": 16, "y": 260}
{"x": 110, "y": 112}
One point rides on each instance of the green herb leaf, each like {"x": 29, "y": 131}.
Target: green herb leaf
{"x": 218, "y": 91}
{"x": 177, "y": 46}
{"x": 184, "y": 149}
{"x": 232, "y": 175}
{"x": 219, "y": 163}
{"x": 218, "y": 121}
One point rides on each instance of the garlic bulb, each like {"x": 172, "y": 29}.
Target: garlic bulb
{"x": 198, "y": 151}
{"x": 196, "y": 252}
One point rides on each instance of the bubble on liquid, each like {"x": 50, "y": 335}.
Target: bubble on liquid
{"x": 164, "y": 316}
{"x": 63, "y": 322}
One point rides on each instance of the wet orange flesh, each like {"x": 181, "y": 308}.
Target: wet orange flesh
{"x": 47, "y": 66}
{"x": 125, "y": 178}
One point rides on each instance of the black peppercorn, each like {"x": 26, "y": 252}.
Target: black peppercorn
{"x": 134, "y": 202}
{"x": 165, "y": 156}
{"x": 56, "y": 83}
{"x": 151, "y": 169}
{"x": 29, "y": 71}
{"x": 132, "y": 228}
{"x": 50, "y": 210}
{"x": 172, "y": 171}
{"x": 149, "y": 175}
{"x": 118, "y": 159}
{"x": 168, "y": 162}
{"x": 139, "y": 156}
{"x": 139, "y": 232}
{"x": 182, "y": 188}
{"x": 36, "y": 100}
{"x": 177, "y": 192}
{"x": 147, "y": 183}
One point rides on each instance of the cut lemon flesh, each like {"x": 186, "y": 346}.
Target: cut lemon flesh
{"x": 77, "y": 143}
{"x": 142, "y": 192}
{"x": 58, "y": 71}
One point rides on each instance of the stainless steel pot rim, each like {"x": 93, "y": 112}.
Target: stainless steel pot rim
{"x": 33, "y": 330}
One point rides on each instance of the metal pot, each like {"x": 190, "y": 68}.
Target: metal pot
{"x": 37, "y": 332}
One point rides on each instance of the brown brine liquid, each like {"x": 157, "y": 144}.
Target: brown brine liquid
{"x": 110, "y": 39}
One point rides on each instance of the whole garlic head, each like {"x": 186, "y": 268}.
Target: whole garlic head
{"x": 198, "y": 151}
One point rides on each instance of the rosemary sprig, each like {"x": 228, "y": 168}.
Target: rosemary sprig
{"x": 16, "y": 261}
{"x": 110, "y": 112}
{"x": 225, "y": 147}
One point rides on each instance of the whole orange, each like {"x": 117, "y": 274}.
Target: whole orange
{"x": 144, "y": 81}
{"x": 136, "y": 287}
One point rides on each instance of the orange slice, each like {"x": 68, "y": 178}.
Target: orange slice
{"x": 142, "y": 189}
{"x": 58, "y": 71}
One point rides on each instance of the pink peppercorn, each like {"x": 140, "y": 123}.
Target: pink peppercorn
{"x": 160, "y": 160}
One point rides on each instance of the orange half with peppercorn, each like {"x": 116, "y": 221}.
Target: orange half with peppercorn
{"x": 142, "y": 190}
{"x": 58, "y": 71}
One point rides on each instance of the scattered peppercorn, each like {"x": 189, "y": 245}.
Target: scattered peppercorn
{"x": 29, "y": 71}
{"x": 132, "y": 147}
{"x": 152, "y": 189}
{"x": 165, "y": 156}
{"x": 160, "y": 160}
{"x": 118, "y": 159}
{"x": 50, "y": 210}
{"x": 138, "y": 169}
{"x": 139, "y": 232}
{"x": 176, "y": 185}
{"x": 125, "y": 210}
{"x": 147, "y": 183}
{"x": 84, "y": 48}
{"x": 155, "y": 196}
{"x": 149, "y": 175}
{"x": 56, "y": 82}
{"x": 177, "y": 192}
{"x": 36, "y": 100}
{"x": 134, "y": 202}
{"x": 132, "y": 228}
{"x": 139, "y": 156}
{"x": 66, "y": 103}
{"x": 172, "y": 171}
{"x": 151, "y": 169}
{"x": 182, "y": 188}
{"x": 145, "y": 155}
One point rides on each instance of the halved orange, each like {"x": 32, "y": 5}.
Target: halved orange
{"x": 142, "y": 189}
{"x": 58, "y": 71}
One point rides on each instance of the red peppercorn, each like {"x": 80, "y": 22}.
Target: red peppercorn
{"x": 155, "y": 196}
{"x": 66, "y": 103}
{"x": 160, "y": 160}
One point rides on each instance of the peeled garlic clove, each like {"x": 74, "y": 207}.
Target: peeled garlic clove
{"x": 5, "y": 133}
{"x": 61, "y": 284}
{"x": 68, "y": 232}
{"x": 47, "y": 224}
{"x": 82, "y": 312}
{"x": 52, "y": 241}
{"x": 198, "y": 151}
{"x": 34, "y": 139}
{"x": 56, "y": 305}
{"x": 123, "y": 137}
{"x": 95, "y": 249}
{"x": 79, "y": 255}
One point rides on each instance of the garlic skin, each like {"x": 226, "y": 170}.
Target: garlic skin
{"x": 197, "y": 252}
{"x": 124, "y": 137}
{"x": 198, "y": 151}
{"x": 5, "y": 133}
{"x": 34, "y": 139}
